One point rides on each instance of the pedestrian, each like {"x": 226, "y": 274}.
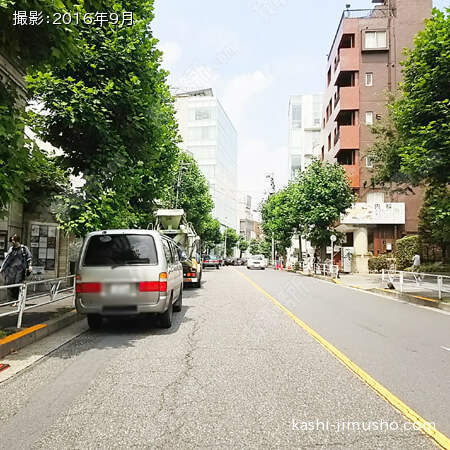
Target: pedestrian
{"x": 316, "y": 258}
{"x": 16, "y": 266}
{"x": 416, "y": 262}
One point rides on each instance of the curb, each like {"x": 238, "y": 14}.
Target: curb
{"x": 422, "y": 301}
{"x": 21, "y": 339}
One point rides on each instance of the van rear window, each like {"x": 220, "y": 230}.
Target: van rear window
{"x": 122, "y": 249}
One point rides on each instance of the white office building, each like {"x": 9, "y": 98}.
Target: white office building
{"x": 211, "y": 138}
{"x": 305, "y": 112}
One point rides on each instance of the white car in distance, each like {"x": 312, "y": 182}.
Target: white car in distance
{"x": 256, "y": 262}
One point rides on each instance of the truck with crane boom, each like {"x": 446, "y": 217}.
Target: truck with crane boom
{"x": 173, "y": 223}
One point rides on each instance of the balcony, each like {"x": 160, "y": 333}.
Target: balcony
{"x": 348, "y": 60}
{"x": 375, "y": 214}
{"x": 349, "y": 98}
{"x": 347, "y": 138}
{"x": 353, "y": 174}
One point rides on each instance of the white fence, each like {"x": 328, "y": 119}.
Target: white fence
{"x": 331, "y": 270}
{"x": 416, "y": 280}
{"x": 55, "y": 290}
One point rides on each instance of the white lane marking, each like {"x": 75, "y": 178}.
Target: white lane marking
{"x": 446, "y": 348}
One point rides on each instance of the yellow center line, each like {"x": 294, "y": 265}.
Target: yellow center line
{"x": 439, "y": 438}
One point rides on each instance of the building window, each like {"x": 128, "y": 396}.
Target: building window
{"x": 329, "y": 76}
{"x": 202, "y": 133}
{"x": 369, "y": 117}
{"x": 375, "y": 40}
{"x": 329, "y": 142}
{"x": 202, "y": 114}
{"x": 369, "y": 162}
{"x": 369, "y": 79}
{"x": 296, "y": 116}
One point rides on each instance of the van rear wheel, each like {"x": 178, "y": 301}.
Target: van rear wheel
{"x": 165, "y": 319}
{"x": 94, "y": 321}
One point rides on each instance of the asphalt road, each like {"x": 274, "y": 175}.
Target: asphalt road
{"x": 403, "y": 346}
{"x": 234, "y": 372}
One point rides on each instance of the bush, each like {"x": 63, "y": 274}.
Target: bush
{"x": 297, "y": 266}
{"x": 435, "y": 268}
{"x": 406, "y": 248}
{"x": 377, "y": 263}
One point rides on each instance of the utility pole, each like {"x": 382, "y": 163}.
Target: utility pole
{"x": 180, "y": 176}
{"x": 225, "y": 250}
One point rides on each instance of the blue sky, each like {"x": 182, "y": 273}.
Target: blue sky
{"x": 254, "y": 57}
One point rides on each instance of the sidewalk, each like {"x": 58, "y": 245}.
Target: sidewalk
{"x": 37, "y": 323}
{"x": 372, "y": 283}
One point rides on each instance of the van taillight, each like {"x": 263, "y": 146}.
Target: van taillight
{"x": 89, "y": 288}
{"x": 149, "y": 286}
{"x": 154, "y": 286}
{"x": 163, "y": 282}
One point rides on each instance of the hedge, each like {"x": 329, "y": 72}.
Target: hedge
{"x": 377, "y": 263}
{"x": 406, "y": 248}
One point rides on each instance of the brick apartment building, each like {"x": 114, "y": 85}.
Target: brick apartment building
{"x": 363, "y": 65}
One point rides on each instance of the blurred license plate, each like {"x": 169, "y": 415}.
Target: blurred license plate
{"x": 119, "y": 289}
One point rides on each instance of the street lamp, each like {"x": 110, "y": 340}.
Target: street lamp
{"x": 333, "y": 240}
{"x": 225, "y": 249}
{"x": 180, "y": 175}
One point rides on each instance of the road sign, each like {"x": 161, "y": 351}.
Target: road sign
{"x": 333, "y": 238}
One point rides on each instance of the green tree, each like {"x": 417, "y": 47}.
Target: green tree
{"x": 46, "y": 181}
{"x": 211, "y": 235}
{"x": 434, "y": 217}
{"x": 265, "y": 247}
{"x": 254, "y": 247}
{"x": 422, "y": 114}
{"x": 24, "y": 48}
{"x": 110, "y": 110}
{"x": 318, "y": 197}
{"x": 191, "y": 192}
{"x": 232, "y": 239}
{"x": 35, "y": 45}
{"x": 14, "y": 151}
{"x": 415, "y": 145}
{"x": 279, "y": 219}
{"x": 243, "y": 246}
{"x": 385, "y": 156}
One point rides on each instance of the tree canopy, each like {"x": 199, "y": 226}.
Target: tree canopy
{"x": 110, "y": 111}
{"x": 414, "y": 146}
{"x": 434, "y": 217}
{"x": 309, "y": 205}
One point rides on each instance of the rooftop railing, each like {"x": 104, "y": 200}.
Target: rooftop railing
{"x": 376, "y": 13}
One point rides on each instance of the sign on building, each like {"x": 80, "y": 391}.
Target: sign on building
{"x": 375, "y": 214}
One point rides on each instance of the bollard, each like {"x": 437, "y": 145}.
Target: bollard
{"x": 22, "y": 299}
{"x": 439, "y": 283}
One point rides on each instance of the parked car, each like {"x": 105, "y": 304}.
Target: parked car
{"x": 211, "y": 261}
{"x": 256, "y": 262}
{"x": 241, "y": 261}
{"x": 128, "y": 272}
{"x": 230, "y": 261}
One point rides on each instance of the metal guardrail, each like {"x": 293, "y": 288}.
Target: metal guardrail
{"x": 53, "y": 289}
{"x": 331, "y": 270}
{"x": 424, "y": 281}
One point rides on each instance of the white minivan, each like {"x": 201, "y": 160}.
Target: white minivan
{"x": 128, "y": 272}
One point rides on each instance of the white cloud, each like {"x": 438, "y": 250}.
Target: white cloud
{"x": 240, "y": 90}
